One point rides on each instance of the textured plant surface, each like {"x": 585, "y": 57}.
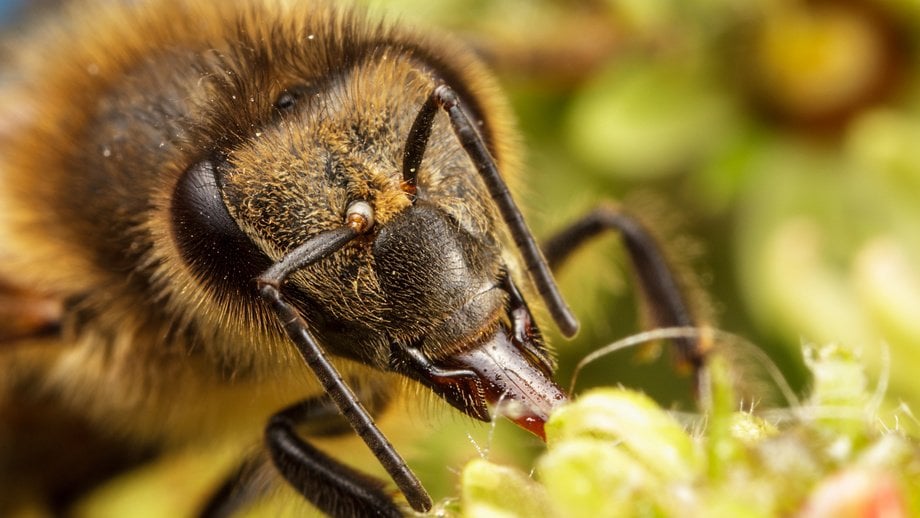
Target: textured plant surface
{"x": 614, "y": 452}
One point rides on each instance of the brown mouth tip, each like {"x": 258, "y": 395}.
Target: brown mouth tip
{"x": 500, "y": 373}
{"x": 532, "y": 424}
{"x": 532, "y": 413}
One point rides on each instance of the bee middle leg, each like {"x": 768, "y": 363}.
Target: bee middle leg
{"x": 331, "y": 486}
{"x": 657, "y": 282}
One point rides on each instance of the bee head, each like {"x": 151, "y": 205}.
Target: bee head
{"x": 424, "y": 290}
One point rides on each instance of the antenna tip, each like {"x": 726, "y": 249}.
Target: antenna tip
{"x": 568, "y": 324}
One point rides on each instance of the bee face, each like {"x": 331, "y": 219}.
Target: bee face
{"x": 319, "y": 151}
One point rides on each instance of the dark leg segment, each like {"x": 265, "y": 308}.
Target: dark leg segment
{"x": 656, "y": 280}
{"x": 331, "y": 486}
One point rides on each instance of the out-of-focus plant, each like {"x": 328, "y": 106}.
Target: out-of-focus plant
{"x": 614, "y": 452}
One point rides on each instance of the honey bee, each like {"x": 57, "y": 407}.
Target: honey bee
{"x": 217, "y": 215}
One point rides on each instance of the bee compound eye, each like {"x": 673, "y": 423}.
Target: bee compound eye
{"x": 208, "y": 238}
{"x": 360, "y": 216}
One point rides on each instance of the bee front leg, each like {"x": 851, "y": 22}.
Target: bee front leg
{"x": 328, "y": 484}
{"x": 657, "y": 281}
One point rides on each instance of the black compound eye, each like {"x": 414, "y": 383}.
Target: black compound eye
{"x": 208, "y": 238}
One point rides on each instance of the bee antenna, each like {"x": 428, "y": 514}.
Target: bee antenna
{"x": 306, "y": 254}
{"x": 416, "y": 143}
{"x": 445, "y": 98}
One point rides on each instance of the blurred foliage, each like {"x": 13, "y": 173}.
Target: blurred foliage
{"x": 614, "y": 453}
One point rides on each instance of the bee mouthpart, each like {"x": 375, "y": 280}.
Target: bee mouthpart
{"x": 498, "y": 373}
